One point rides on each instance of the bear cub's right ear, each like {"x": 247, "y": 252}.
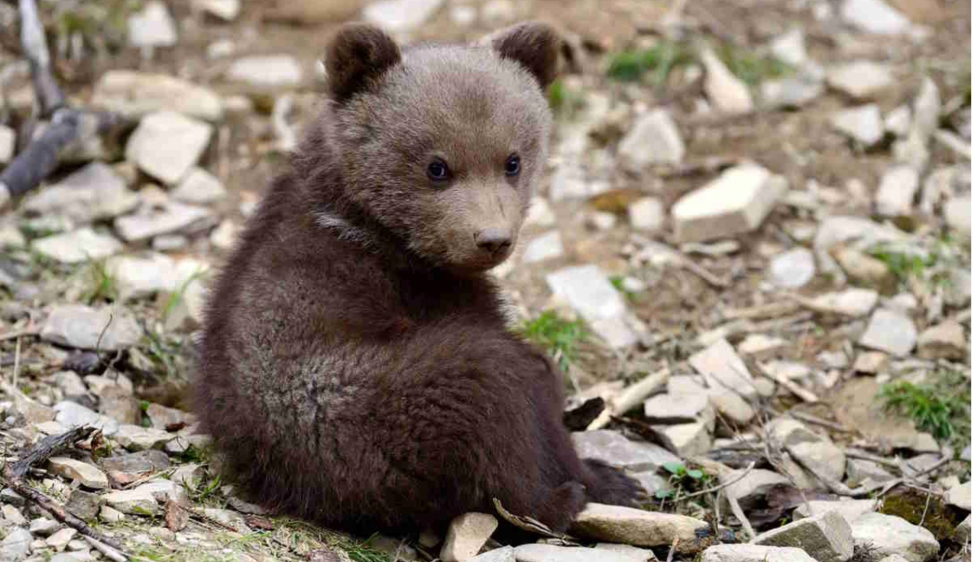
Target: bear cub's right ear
{"x": 358, "y": 53}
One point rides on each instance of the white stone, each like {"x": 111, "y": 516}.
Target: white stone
{"x": 16, "y": 545}
{"x": 860, "y": 79}
{"x": 734, "y": 203}
{"x": 8, "y": 144}
{"x": 856, "y": 232}
{"x": 94, "y": 192}
{"x": 790, "y": 47}
{"x": 897, "y": 191}
{"x": 544, "y": 247}
{"x": 754, "y": 485}
{"x": 498, "y": 11}
{"x": 862, "y": 123}
{"x": 724, "y": 90}
{"x": 83, "y": 327}
{"x": 636, "y": 527}
{"x": 899, "y": 121}
{"x": 267, "y": 71}
{"x": 602, "y": 220}
{"x": 42, "y": 526}
{"x": 77, "y": 247}
{"x": 849, "y": 509}
{"x": 613, "y": 448}
{"x": 815, "y": 450}
{"x": 466, "y": 536}
{"x": 171, "y": 217}
{"x": 152, "y": 27}
{"x": 760, "y": 346}
{"x": 874, "y": 16}
{"x": 888, "y": 535}
{"x": 679, "y": 409}
{"x": 687, "y": 439}
{"x": 792, "y": 269}
{"x": 88, "y": 475}
{"x": 540, "y": 213}
{"x": 588, "y": 291}
{"x": 226, "y": 10}
{"x": 59, "y": 540}
{"x": 826, "y": 537}
{"x": 137, "y": 438}
{"x": 400, "y": 15}
{"x": 166, "y": 145}
{"x": 959, "y": 496}
{"x": 891, "y": 332}
{"x": 71, "y": 415}
{"x": 957, "y": 214}
{"x": 754, "y": 553}
{"x": 136, "y": 94}
{"x": 647, "y": 214}
{"x": 552, "y": 553}
{"x": 653, "y": 139}
{"x": 136, "y": 502}
{"x": 926, "y": 110}
{"x": 13, "y": 516}
{"x": 943, "y": 341}
{"x": 199, "y": 186}
{"x": 792, "y": 91}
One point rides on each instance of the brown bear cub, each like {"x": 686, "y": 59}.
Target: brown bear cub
{"x": 355, "y": 367}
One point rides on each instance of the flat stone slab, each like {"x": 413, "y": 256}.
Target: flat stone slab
{"x": 166, "y": 145}
{"x": 826, "y": 537}
{"x": 88, "y": 475}
{"x": 860, "y": 79}
{"x": 889, "y": 535}
{"x": 552, "y": 553}
{"x": 94, "y": 192}
{"x": 723, "y": 368}
{"x": 875, "y": 16}
{"x": 863, "y": 124}
{"x": 136, "y": 94}
{"x": 653, "y": 139}
{"x": 83, "y": 327}
{"x": 849, "y": 509}
{"x": 266, "y": 71}
{"x": 754, "y": 553}
{"x": 136, "y": 502}
{"x": 466, "y": 536}
{"x": 890, "y": 331}
{"x": 77, "y": 247}
{"x": 615, "y": 449}
{"x": 589, "y": 292}
{"x": 852, "y": 302}
{"x": 736, "y": 202}
{"x": 172, "y": 217}
{"x": 546, "y": 246}
{"x": 637, "y": 527}
{"x": 897, "y": 191}
{"x": 199, "y": 187}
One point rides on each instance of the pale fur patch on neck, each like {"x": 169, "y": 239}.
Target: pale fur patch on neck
{"x": 343, "y": 229}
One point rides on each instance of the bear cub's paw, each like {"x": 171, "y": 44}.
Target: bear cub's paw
{"x": 611, "y": 486}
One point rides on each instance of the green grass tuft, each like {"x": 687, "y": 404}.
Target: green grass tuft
{"x": 903, "y": 265}
{"x": 941, "y": 408}
{"x": 660, "y": 60}
{"x": 557, "y": 335}
{"x": 101, "y": 285}
{"x": 750, "y": 67}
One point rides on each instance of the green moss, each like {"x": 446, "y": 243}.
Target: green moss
{"x": 751, "y": 67}
{"x": 659, "y": 60}
{"x": 911, "y": 505}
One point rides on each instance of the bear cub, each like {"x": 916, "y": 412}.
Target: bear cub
{"x": 355, "y": 365}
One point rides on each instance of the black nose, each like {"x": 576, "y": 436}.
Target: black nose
{"x": 493, "y": 240}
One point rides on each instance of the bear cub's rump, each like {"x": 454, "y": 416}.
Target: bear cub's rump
{"x": 355, "y": 365}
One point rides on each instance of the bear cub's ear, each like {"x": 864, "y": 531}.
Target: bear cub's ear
{"x": 356, "y": 54}
{"x": 533, "y": 44}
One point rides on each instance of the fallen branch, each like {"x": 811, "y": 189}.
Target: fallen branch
{"x": 721, "y": 486}
{"x": 630, "y": 398}
{"x": 14, "y": 473}
{"x": 741, "y": 517}
{"x": 862, "y": 491}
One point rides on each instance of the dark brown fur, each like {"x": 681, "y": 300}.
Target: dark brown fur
{"x": 356, "y": 368}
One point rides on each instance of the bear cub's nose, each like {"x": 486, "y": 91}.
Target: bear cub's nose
{"x": 493, "y": 240}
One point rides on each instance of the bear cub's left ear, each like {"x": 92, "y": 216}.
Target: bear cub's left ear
{"x": 357, "y": 54}
{"x": 533, "y": 44}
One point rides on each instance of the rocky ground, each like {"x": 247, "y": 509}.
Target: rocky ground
{"x": 751, "y": 255}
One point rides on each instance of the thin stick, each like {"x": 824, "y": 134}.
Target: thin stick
{"x": 741, "y": 516}
{"x": 925, "y": 510}
{"x": 18, "y": 334}
{"x": 108, "y": 551}
{"x": 721, "y": 486}
{"x": 16, "y": 362}
{"x": 871, "y": 458}
{"x": 672, "y": 550}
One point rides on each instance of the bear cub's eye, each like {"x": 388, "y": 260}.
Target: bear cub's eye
{"x": 438, "y": 171}
{"x": 512, "y": 166}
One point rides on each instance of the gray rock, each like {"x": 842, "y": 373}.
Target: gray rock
{"x": 753, "y": 487}
{"x": 551, "y": 553}
{"x": 502, "y": 554}
{"x": 863, "y": 124}
{"x": 638, "y": 528}
{"x": 891, "y": 332}
{"x": 589, "y": 292}
{"x": 163, "y": 417}
{"x": 723, "y": 368}
{"x": 152, "y": 27}
{"x": 888, "y": 535}
{"x": 70, "y": 383}
{"x": 172, "y": 217}
{"x": 754, "y": 553}
{"x": 957, "y": 214}
{"x": 16, "y": 546}
{"x": 226, "y": 10}
{"x": 962, "y": 534}
{"x": 400, "y": 16}
{"x": 653, "y": 139}
{"x": 13, "y": 516}
{"x": 727, "y": 402}
{"x": 236, "y": 520}
{"x": 95, "y": 192}
{"x": 127, "y": 467}
{"x": 865, "y": 270}
{"x": 647, "y": 214}
{"x": 137, "y": 501}
{"x": 669, "y": 409}
{"x": 855, "y": 232}
{"x": 166, "y": 145}
{"x": 943, "y": 341}
{"x": 860, "y": 471}
{"x": 137, "y": 438}
{"x": 849, "y": 509}
{"x": 84, "y": 505}
{"x": 897, "y": 191}
{"x": 792, "y": 269}
{"x": 724, "y": 90}
{"x": 789, "y": 47}
{"x": 540, "y": 214}
{"x": 613, "y": 448}
{"x": 267, "y": 71}
{"x": 88, "y": 475}
{"x": 137, "y": 94}
{"x": 43, "y": 526}
{"x": 959, "y": 496}
{"x": 138, "y": 277}
{"x": 874, "y": 16}
{"x": 814, "y": 450}
{"x": 761, "y": 347}
{"x": 200, "y": 187}
{"x": 59, "y": 540}
{"x": 466, "y": 536}
{"x": 926, "y": 110}
{"x": 826, "y": 537}
{"x": 686, "y": 440}
{"x": 77, "y": 247}
{"x": 544, "y": 247}
{"x": 71, "y": 414}
{"x": 637, "y": 554}
{"x": 83, "y": 327}
{"x": 850, "y": 302}
{"x": 734, "y": 203}
{"x": 899, "y": 121}
{"x": 860, "y": 79}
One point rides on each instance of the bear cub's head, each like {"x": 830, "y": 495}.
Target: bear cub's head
{"x": 443, "y": 145}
